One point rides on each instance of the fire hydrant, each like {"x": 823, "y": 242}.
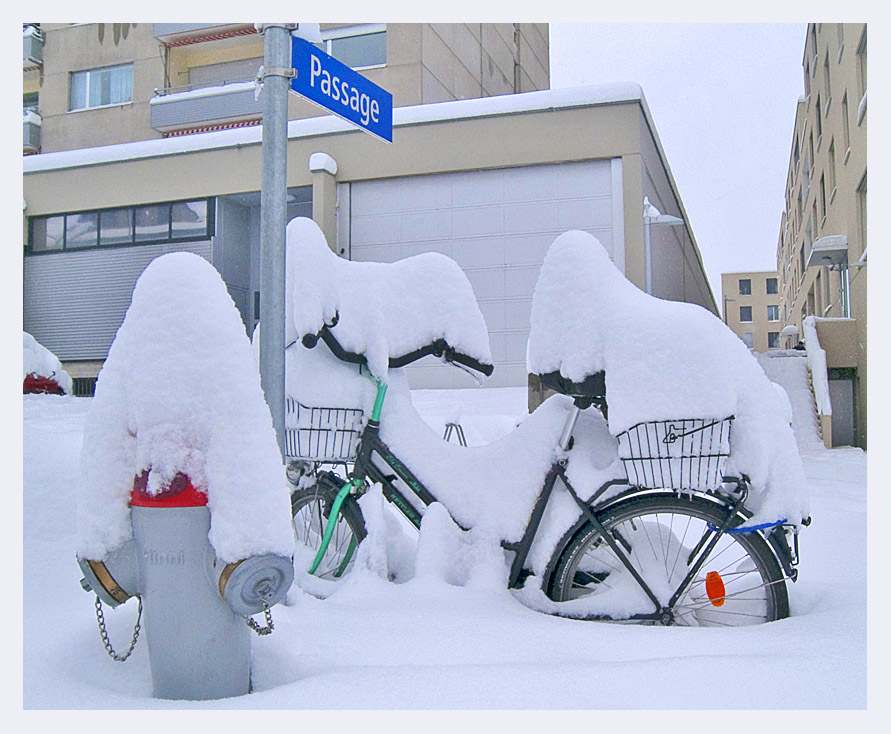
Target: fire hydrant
{"x": 197, "y": 608}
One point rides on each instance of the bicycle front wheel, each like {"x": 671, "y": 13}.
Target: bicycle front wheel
{"x": 310, "y": 510}
{"x": 740, "y": 582}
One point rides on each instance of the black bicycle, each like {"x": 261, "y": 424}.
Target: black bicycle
{"x": 667, "y": 544}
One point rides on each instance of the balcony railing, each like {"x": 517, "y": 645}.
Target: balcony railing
{"x": 31, "y": 132}
{"x": 32, "y": 48}
{"x": 227, "y": 104}
{"x": 182, "y": 34}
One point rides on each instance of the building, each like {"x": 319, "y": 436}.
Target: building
{"x": 821, "y": 252}
{"x": 489, "y": 181}
{"x": 751, "y": 308}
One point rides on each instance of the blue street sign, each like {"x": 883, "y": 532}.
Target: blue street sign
{"x": 334, "y": 86}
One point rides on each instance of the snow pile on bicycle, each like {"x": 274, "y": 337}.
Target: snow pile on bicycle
{"x": 555, "y": 500}
{"x": 663, "y": 360}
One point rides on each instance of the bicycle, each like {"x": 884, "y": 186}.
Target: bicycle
{"x": 669, "y": 536}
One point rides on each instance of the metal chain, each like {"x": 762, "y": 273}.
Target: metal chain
{"x": 256, "y": 627}
{"x": 104, "y": 634}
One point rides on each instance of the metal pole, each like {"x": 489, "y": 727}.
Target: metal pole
{"x": 273, "y": 212}
{"x": 648, "y": 266}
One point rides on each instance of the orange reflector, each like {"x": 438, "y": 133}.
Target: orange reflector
{"x": 714, "y": 587}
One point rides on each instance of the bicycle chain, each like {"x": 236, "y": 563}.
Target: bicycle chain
{"x": 100, "y": 617}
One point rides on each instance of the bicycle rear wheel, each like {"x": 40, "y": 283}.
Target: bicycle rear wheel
{"x": 310, "y": 510}
{"x": 740, "y": 582}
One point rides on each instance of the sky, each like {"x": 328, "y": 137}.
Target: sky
{"x": 724, "y": 115}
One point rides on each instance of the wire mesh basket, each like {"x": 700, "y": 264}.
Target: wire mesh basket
{"x": 685, "y": 454}
{"x": 322, "y": 434}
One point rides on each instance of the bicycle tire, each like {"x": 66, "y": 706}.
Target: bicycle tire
{"x": 749, "y": 587}
{"x": 310, "y": 510}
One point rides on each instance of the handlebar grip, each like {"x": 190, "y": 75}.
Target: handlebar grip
{"x": 485, "y": 369}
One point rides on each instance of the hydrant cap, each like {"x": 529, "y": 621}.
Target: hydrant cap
{"x": 179, "y": 493}
{"x": 247, "y": 584}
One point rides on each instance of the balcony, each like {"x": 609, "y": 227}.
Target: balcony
{"x": 216, "y": 107}
{"x": 183, "y": 34}
{"x": 31, "y": 132}
{"x": 32, "y": 48}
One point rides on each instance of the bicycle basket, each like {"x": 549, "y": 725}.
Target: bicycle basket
{"x": 677, "y": 454}
{"x": 321, "y": 434}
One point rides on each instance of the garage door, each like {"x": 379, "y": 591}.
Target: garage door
{"x": 497, "y": 225}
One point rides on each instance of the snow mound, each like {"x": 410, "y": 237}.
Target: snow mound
{"x": 384, "y": 309}
{"x": 40, "y": 361}
{"x": 663, "y": 360}
{"x": 180, "y": 392}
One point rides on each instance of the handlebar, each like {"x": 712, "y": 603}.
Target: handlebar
{"x": 439, "y": 348}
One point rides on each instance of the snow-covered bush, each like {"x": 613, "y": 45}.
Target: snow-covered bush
{"x": 40, "y": 361}
{"x": 663, "y": 360}
{"x": 180, "y": 392}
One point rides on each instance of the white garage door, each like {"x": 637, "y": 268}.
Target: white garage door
{"x": 497, "y": 225}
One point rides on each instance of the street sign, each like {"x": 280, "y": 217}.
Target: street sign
{"x": 334, "y": 86}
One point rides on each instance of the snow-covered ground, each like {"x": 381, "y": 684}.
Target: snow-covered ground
{"x": 428, "y": 644}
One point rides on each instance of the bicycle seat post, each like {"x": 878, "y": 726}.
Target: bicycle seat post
{"x": 569, "y": 427}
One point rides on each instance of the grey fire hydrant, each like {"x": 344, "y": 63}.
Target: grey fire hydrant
{"x": 197, "y": 608}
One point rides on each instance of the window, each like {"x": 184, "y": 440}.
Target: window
{"x": 773, "y": 339}
{"x": 861, "y": 203}
{"x": 840, "y": 30}
{"x": 771, "y": 286}
{"x": 748, "y": 339}
{"x": 745, "y": 314}
{"x": 773, "y": 313}
{"x": 831, "y": 167}
{"x": 745, "y": 287}
{"x": 116, "y": 226}
{"x": 861, "y": 62}
{"x": 796, "y": 155}
{"x": 827, "y": 89}
{"x": 845, "y": 126}
{"x": 807, "y": 78}
{"x": 100, "y": 87}
{"x": 29, "y": 102}
{"x": 819, "y": 122}
{"x": 358, "y": 47}
{"x": 810, "y": 145}
{"x": 823, "y": 196}
{"x": 169, "y": 222}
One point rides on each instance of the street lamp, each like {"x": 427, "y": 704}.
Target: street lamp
{"x": 653, "y": 216}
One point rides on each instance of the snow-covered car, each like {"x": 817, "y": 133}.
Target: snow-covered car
{"x": 41, "y": 369}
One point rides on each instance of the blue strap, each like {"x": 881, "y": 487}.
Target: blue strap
{"x": 751, "y": 528}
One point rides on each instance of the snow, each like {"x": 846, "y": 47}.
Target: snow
{"x": 816, "y": 361}
{"x": 322, "y": 162}
{"x": 203, "y": 92}
{"x": 180, "y": 392}
{"x": 451, "y": 638}
{"x": 549, "y": 99}
{"x": 385, "y": 309}
{"x": 664, "y": 360}
{"x": 40, "y": 361}
{"x": 788, "y": 369}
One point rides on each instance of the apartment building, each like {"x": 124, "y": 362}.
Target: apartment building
{"x": 487, "y": 166}
{"x": 751, "y": 308}
{"x": 821, "y": 252}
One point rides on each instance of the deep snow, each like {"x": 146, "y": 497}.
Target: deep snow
{"x": 431, "y": 644}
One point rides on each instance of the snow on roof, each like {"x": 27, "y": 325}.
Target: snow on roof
{"x": 549, "y": 99}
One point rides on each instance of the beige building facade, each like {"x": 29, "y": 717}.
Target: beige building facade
{"x": 488, "y": 181}
{"x": 821, "y": 252}
{"x": 751, "y": 308}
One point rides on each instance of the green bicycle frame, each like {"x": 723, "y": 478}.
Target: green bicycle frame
{"x": 341, "y": 496}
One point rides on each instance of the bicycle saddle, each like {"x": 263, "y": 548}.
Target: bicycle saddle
{"x": 593, "y": 386}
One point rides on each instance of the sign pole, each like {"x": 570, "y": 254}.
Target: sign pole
{"x": 273, "y": 213}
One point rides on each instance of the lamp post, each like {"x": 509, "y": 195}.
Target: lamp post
{"x": 652, "y": 216}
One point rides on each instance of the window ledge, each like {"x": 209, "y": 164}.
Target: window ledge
{"x": 819, "y": 142}
{"x": 101, "y": 107}
{"x": 847, "y": 155}
{"x": 828, "y": 105}
{"x": 841, "y": 51}
{"x": 832, "y": 195}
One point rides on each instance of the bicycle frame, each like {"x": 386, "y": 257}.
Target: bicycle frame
{"x": 366, "y": 470}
